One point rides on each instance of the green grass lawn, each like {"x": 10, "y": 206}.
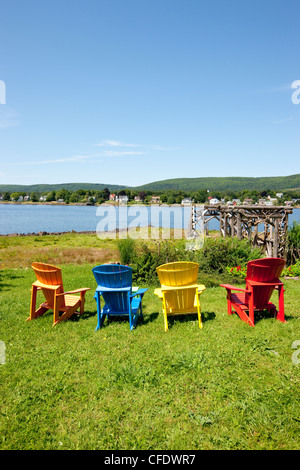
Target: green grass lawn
{"x": 227, "y": 386}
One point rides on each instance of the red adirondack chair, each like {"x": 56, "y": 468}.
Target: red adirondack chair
{"x": 261, "y": 280}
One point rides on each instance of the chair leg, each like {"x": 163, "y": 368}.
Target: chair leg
{"x": 199, "y": 311}
{"x": 229, "y": 307}
{"x": 33, "y": 312}
{"x": 82, "y": 302}
{"x": 65, "y": 316}
{"x": 100, "y": 316}
{"x": 131, "y": 321}
{"x": 166, "y": 322}
{"x": 165, "y": 313}
{"x": 280, "y": 315}
{"x": 55, "y": 311}
{"x": 251, "y": 310}
{"x": 33, "y": 302}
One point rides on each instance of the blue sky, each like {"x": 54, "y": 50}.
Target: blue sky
{"x": 134, "y": 91}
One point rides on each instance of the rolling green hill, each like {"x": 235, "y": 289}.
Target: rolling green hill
{"x": 276, "y": 183}
{"x": 41, "y": 188}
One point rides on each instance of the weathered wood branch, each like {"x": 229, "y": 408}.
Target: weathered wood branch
{"x": 243, "y": 221}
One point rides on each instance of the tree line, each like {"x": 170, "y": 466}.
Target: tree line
{"x": 169, "y": 196}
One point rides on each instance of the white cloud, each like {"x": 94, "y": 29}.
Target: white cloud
{"x": 275, "y": 89}
{"x": 113, "y": 148}
{"x": 113, "y": 153}
{"x": 279, "y": 121}
{"x": 167, "y": 149}
{"x": 8, "y": 117}
{"x": 74, "y": 158}
{"x": 115, "y": 143}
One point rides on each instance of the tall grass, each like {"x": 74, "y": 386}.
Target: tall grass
{"x": 22, "y": 251}
{"x": 293, "y": 243}
{"x": 127, "y": 252}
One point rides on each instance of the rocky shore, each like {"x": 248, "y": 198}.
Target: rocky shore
{"x": 39, "y": 234}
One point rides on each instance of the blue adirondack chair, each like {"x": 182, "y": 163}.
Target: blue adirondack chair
{"x": 115, "y": 286}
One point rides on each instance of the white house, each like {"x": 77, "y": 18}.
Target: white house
{"x": 122, "y": 199}
{"x": 271, "y": 201}
{"x": 187, "y": 201}
{"x": 247, "y": 201}
{"x": 214, "y": 200}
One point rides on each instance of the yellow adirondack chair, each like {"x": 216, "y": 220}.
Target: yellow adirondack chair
{"x": 49, "y": 280}
{"x": 179, "y": 291}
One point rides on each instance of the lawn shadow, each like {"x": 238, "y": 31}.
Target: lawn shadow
{"x": 186, "y": 317}
{"x": 85, "y": 316}
{"x": 119, "y": 319}
{"x": 4, "y": 279}
{"x": 266, "y": 315}
{"x": 141, "y": 321}
{"x": 208, "y": 316}
{"x": 149, "y": 317}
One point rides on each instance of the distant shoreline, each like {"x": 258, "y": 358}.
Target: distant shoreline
{"x": 85, "y": 232}
{"x": 112, "y": 203}
{"x": 106, "y": 203}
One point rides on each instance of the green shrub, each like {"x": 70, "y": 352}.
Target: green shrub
{"x": 127, "y": 251}
{"x": 293, "y": 270}
{"x": 293, "y": 243}
{"x": 147, "y": 260}
{"x": 218, "y": 254}
{"x": 237, "y": 271}
{"x": 214, "y": 258}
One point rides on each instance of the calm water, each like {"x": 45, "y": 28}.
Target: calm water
{"x": 25, "y": 218}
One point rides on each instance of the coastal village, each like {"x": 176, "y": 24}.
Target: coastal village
{"x": 93, "y": 197}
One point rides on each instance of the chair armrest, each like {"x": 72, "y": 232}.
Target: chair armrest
{"x": 230, "y": 287}
{"x": 158, "y": 292}
{"x": 77, "y": 291}
{"x": 40, "y": 285}
{"x": 275, "y": 282}
{"x": 172, "y": 288}
{"x": 112, "y": 289}
{"x": 139, "y": 292}
{"x": 201, "y": 288}
{"x": 278, "y": 286}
